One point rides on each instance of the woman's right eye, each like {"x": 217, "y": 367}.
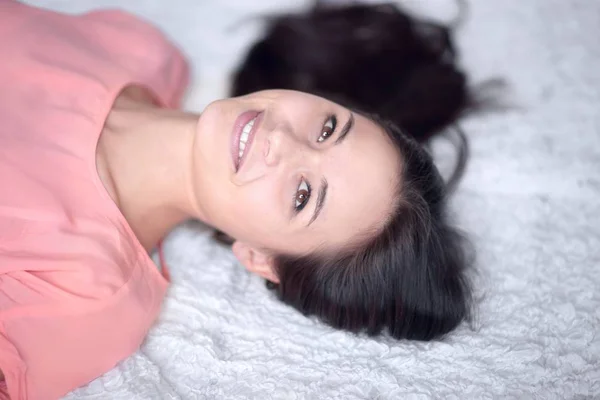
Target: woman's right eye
{"x": 328, "y": 128}
{"x": 302, "y": 195}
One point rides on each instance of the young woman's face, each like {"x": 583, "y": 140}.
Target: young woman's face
{"x": 312, "y": 174}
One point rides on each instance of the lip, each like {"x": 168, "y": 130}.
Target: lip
{"x": 238, "y": 127}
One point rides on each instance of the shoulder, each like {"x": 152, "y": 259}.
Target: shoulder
{"x": 97, "y": 49}
{"x": 143, "y": 47}
{"x": 128, "y": 34}
{"x": 105, "y": 31}
{"x": 16, "y": 16}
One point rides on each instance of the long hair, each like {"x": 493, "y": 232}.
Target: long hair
{"x": 410, "y": 279}
{"x": 378, "y": 58}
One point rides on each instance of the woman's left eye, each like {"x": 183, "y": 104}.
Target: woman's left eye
{"x": 328, "y": 128}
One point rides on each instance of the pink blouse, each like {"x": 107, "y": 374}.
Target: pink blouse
{"x": 78, "y": 292}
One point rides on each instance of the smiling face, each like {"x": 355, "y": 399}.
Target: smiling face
{"x": 312, "y": 174}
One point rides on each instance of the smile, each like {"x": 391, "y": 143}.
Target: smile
{"x": 243, "y": 134}
{"x": 244, "y": 137}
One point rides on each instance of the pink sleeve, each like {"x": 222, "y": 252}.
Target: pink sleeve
{"x": 171, "y": 64}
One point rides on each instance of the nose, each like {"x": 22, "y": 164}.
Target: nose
{"x": 281, "y": 145}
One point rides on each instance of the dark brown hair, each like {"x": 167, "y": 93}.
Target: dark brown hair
{"x": 411, "y": 278}
{"x": 377, "y": 58}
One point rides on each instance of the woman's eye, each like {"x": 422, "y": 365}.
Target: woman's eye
{"x": 328, "y": 128}
{"x": 302, "y": 195}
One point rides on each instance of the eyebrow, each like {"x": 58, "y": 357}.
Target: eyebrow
{"x": 345, "y": 129}
{"x": 320, "y": 200}
{"x": 324, "y": 185}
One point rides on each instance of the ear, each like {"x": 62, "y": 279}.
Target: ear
{"x": 255, "y": 260}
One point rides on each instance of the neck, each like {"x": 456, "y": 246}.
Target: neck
{"x": 144, "y": 159}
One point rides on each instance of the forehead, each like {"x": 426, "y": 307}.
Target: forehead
{"x": 363, "y": 175}
{"x": 298, "y": 102}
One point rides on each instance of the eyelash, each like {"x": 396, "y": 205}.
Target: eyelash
{"x": 328, "y": 130}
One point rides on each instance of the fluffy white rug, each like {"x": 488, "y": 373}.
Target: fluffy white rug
{"x": 530, "y": 201}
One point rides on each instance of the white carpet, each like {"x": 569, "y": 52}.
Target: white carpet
{"x": 530, "y": 201}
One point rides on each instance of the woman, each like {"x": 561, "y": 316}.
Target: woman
{"x": 344, "y": 214}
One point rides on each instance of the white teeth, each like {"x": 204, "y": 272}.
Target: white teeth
{"x": 244, "y": 137}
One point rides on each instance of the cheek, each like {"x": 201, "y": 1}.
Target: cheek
{"x": 254, "y": 211}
